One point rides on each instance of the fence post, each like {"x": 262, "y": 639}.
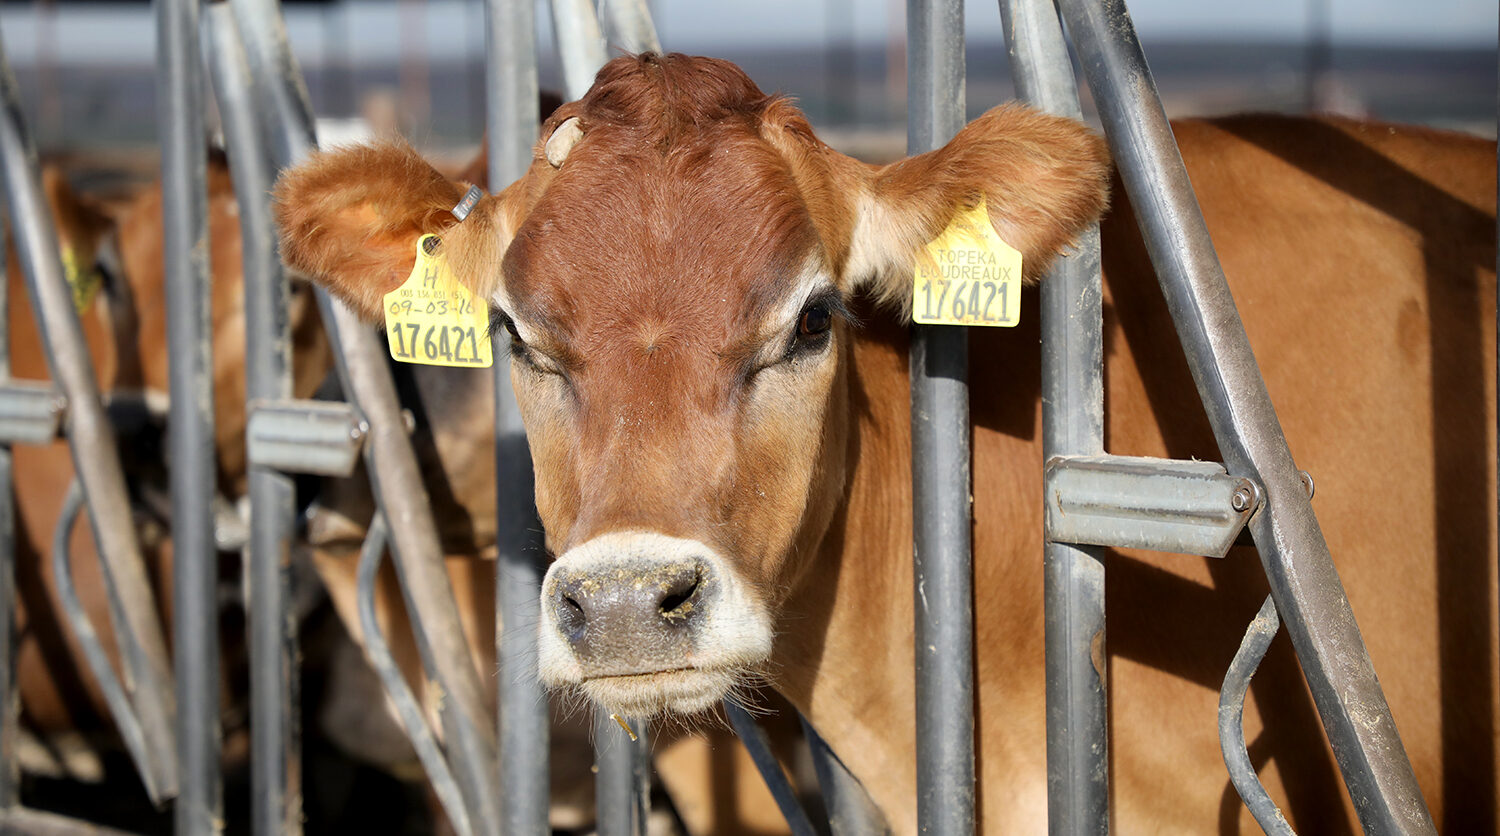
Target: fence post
{"x": 185, "y": 250}
{"x": 10, "y": 695}
{"x": 275, "y": 752}
{"x": 942, "y": 549}
{"x": 1072, "y": 425}
{"x": 524, "y": 716}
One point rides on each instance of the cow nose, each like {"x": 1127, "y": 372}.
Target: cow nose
{"x": 631, "y": 610}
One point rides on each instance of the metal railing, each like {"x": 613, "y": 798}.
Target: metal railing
{"x": 482, "y": 759}
{"x": 145, "y": 699}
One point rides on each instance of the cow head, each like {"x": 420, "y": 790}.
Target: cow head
{"x": 673, "y": 273}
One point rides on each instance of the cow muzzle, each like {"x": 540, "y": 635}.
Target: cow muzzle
{"x": 644, "y": 623}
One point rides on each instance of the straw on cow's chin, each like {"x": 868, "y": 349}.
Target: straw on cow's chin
{"x": 689, "y": 691}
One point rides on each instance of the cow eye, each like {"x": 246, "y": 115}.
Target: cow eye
{"x": 814, "y": 322}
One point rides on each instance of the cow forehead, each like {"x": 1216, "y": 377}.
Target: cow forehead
{"x": 702, "y": 239}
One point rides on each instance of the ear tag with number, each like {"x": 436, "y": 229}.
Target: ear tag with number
{"x": 433, "y": 319}
{"x": 967, "y": 275}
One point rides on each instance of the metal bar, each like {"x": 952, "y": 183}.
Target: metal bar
{"x": 1072, "y": 424}
{"x": 303, "y": 436}
{"x": 10, "y": 694}
{"x": 524, "y": 716}
{"x": 630, "y": 26}
{"x": 124, "y": 714}
{"x": 1257, "y": 640}
{"x": 943, "y": 572}
{"x": 408, "y": 709}
{"x": 1302, "y": 577}
{"x": 275, "y": 750}
{"x": 394, "y": 474}
{"x": 850, "y": 810}
{"x": 580, "y": 44}
{"x": 190, "y": 420}
{"x": 31, "y": 412}
{"x": 1138, "y": 502}
{"x": 285, "y": 105}
{"x": 759, "y": 747}
{"x": 92, "y": 444}
{"x": 620, "y": 796}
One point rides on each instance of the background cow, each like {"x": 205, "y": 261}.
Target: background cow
{"x": 722, "y": 453}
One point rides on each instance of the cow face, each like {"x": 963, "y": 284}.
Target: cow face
{"x": 673, "y": 273}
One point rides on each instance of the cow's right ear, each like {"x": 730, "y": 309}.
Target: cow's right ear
{"x": 350, "y": 218}
{"x": 1043, "y": 178}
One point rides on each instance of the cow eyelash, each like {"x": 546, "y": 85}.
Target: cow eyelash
{"x": 499, "y": 322}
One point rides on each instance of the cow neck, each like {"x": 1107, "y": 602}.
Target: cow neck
{"x": 844, "y": 650}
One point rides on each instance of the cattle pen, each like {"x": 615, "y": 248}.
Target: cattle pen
{"x": 489, "y": 770}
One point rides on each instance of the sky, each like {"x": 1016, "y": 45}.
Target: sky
{"x": 373, "y": 28}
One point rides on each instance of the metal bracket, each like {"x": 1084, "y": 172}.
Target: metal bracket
{"x": 1188, "y": 507}
{"x": 31, "y": 412}
{"x": 302, "y": 436}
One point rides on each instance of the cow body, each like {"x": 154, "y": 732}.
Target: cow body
{"x": 716, "y": 396}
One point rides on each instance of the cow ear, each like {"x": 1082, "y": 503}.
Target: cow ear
{"x": 350, "y": 218}
{"x": 1044, "y": 179}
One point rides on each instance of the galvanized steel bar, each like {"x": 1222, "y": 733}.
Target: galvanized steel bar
{"x": 285, "y": 105}
{"x": 1138, "y": 502}
{"x": 31, "y": 412}
{"x": 1307, "y": 589}
{"x": 1253, "y": 648}
{"x": 126, "y": 721}
{"x": 1072, "y": 424}
{"x": 850, "y": 810}
{"x": 630, "y": 26}
{"x": 408, "y": 709}
{"x": 275, "y": 750}
{"x": 524, "y": 716}
{"x": 392, "y": 463}
{"x": 759, "y": 746}
{"x": 190, "y": 420}
{"x": 301, "y": 436}
{"x": 580, "y": 44}
{"x": 943, "y": 570}
{"x": 10, "y": 694}
{"x": 92, "y": 445}
{"x": 622, "y": 759}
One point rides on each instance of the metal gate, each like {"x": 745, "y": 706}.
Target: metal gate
{"x": 172, "y": 734}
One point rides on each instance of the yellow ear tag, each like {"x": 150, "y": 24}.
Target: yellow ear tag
{"x": 433, "y": 319}
{"x": 85, "y": 286}
{"x": 967, "y": 275}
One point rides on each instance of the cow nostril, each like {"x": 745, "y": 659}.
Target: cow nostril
{"x": 571, "y": 616}
{"x": 680, "y": 603}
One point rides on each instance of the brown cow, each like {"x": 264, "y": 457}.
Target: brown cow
{"x": 722, "y": 454}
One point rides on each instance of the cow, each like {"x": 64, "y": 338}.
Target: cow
{"x": 704, "y": 305}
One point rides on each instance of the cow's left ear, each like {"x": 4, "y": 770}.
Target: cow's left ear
{"x": 350, "y": 219}
{"x": 1044, "y": 179}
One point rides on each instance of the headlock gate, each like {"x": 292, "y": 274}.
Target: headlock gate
{"x": 490, "y": 772}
